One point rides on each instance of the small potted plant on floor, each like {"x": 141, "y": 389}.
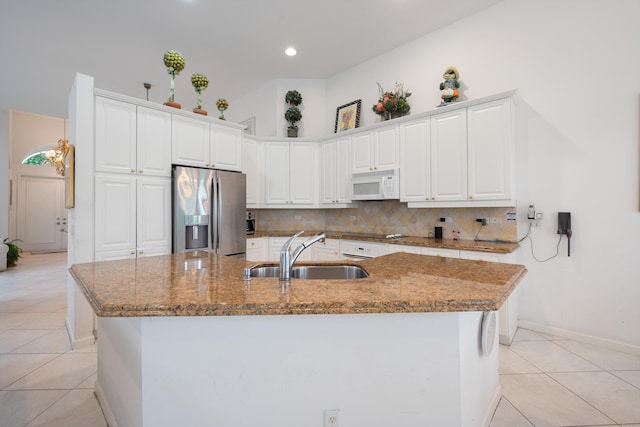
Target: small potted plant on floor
{"x": 12, "y": 254}
{"x": 293, "y": 113}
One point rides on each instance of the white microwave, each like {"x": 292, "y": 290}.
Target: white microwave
{"x": 378, "y": 185}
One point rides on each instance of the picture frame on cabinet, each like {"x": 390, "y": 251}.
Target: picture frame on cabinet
{"x": 250, "y": 126}
{"x": 348, "y": 116}
{"x": 69, "y": 177}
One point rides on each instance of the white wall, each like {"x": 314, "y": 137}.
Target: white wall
{"x": 267, "y": 105}
{"x": 574, "y": 64}
{"x": 4, "y": 174}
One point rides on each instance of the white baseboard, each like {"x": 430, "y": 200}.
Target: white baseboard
{"x": 78, "y": 343}
{"x": 492, "y": 407}
{"x": 577, "y": 336}
{"x": 104, "y": 404}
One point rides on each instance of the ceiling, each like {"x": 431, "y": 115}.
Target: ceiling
{"x": 237, "y": 44}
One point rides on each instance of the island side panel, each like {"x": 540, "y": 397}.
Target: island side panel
{"x": 378, "y": 369}
{"x": 119, "y": 383}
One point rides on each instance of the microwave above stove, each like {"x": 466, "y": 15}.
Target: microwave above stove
{"x": 378, "y": 185}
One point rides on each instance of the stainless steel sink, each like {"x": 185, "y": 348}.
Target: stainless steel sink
{"x": 313, "y": 272}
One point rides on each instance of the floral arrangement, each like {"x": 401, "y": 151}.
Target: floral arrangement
{"x": 222, "y": 104}
{"x": 392, "y": 104}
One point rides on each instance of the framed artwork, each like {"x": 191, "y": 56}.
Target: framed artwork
{"x": 250, "y": 126}
{"x": 69, "y": 177}
{"x": 348, "y": 116}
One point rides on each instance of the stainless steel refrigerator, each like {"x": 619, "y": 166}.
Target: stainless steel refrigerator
{"x": 209, "y": 211}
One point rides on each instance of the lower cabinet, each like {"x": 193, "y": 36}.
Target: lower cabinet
{"x": 257, "y": 249}
{"x": 132, "y": 216}
{"x": 329, "y": 250}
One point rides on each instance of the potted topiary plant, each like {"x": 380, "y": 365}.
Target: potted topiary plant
{"x": 293, "y": 113}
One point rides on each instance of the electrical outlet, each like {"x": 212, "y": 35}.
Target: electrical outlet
{"x": 297, "y": 217}
{"x": 352, "y": 217}
{"x": 482, "y": 221}
{"x": 331, "y": 417}
{"x": 446, "y": 219}
{"x": 497, "y": 220}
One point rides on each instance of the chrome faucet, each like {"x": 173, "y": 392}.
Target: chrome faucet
{"x": 287, "y": 258}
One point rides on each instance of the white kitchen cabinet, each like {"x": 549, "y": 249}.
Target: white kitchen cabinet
{"x": 132, "y": 216}
{"x": 132, "y": 140}
{"x": 490, "y": 150}
{"x": 225, "y": 148}
{"x": 444, "y": 252}
{"x": 115, "y": 136}
{"x": 257, "y": 249}
{"x": 189, "y": 141}
{"x": 329, "y": 250}
{"x": 335, "y": 172}
{"x": 198, "y": 143}
{"x": 375, "y": 150}
{"x": 404, "y": 248}
{"x": 449, "y": 156}
{"x": 415, "y": 161}
{"x": 290, "y": 173}
{"x": 253, "y": 167}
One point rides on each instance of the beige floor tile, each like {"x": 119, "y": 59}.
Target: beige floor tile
{"x": 632, "y": 377}
{"x": 17, "y": 408}
{"x": 512, "y": 363}
{"x": 15, "y": 320}
{"x": 507, "y": 415}
{"x": 527, "y": 335}
{"x": 544, "y": 402}
{"x": 64, "y": 372}
{"x": 550, "y": 357}
{"x": 12, "y": 339}
{"x": 55, "y": 320}
{"x": 89, "y": 383}
{"x": 605, "y": 358}
{"x": 15, "y": 366}
{"x": 56, "y": 341}
{"x": 79, "y": 408}
{"x": 617, "y": 399}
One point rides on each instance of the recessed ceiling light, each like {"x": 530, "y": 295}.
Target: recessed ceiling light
{"x": 290, "y": 51}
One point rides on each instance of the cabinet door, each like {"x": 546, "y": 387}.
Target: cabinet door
{"x": 226, "y": 148}
{"x": 490, "y": 142}
{"x": 449, "y": 253}
{"x": 328, "y": 172}
{"x": 404, "y": 248}
{"x": 302, "y": 175}
{"x": 415, "y": 161}
{"x": 362, "y": 158}
{"x": 276, "y": 172}
{"x": 386, "y": 148}
{"x": 343, "y": 170}
{"x": 189, "y": 141}
{"x": 115, "y": 136}
{"x": 153, "y": 235}
{"x": 115, "y": 213}
{"x": 449, "y": 156}
{"x": 257, "y": 249}
{"x": 252, "y": 165}
{"x": 153, "y": 142}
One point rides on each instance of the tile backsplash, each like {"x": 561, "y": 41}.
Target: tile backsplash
{"x": 390, "y": 217}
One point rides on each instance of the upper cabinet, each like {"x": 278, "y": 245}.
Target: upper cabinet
{"x": 375, "y": 150}
{"x": 335, "y": 172}
{"x": 460, "y": 157}
{"x": 132, "y": 140}
{"x": 290, "y": 173}
{"x": 201, "y": 144}
{"x": 253, "y": 167}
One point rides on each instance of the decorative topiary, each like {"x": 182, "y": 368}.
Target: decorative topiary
{"x": 293, "y": 113}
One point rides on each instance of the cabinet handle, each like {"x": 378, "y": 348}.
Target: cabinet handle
{"x": 133, "y": 171}
{"x": 133, "y": 252}
{"x": 139, "y": 170}
{"x": 470, "y": 197}
{"x": 141, "y": 252}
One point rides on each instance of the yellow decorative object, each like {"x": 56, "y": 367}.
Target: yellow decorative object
{"x": 57, "y": 156}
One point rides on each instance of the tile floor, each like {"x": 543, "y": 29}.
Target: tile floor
{"x": 546, "y": 380}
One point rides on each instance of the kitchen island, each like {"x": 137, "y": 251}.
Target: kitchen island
{"x": 184, "y": 340}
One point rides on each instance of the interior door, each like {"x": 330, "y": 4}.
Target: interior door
{"x": 42, "y": 218}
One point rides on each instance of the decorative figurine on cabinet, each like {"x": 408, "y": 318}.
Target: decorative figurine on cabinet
{"x": 450, "y": 86}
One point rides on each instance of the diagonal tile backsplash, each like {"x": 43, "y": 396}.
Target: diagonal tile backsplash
{"x": 390, "y": 217}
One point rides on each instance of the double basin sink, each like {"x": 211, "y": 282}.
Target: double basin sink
{"x": 312, "y": 272}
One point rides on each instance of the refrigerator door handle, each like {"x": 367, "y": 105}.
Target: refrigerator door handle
{"x": 215, "y": 200}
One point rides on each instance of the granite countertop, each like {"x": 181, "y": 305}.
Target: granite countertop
{"x": 467, "y": 245}
{"x": 205, "y": 284}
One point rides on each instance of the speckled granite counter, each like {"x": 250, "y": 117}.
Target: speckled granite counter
{"x": 204, "y": 284}
{"x": 467, "y": 245}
